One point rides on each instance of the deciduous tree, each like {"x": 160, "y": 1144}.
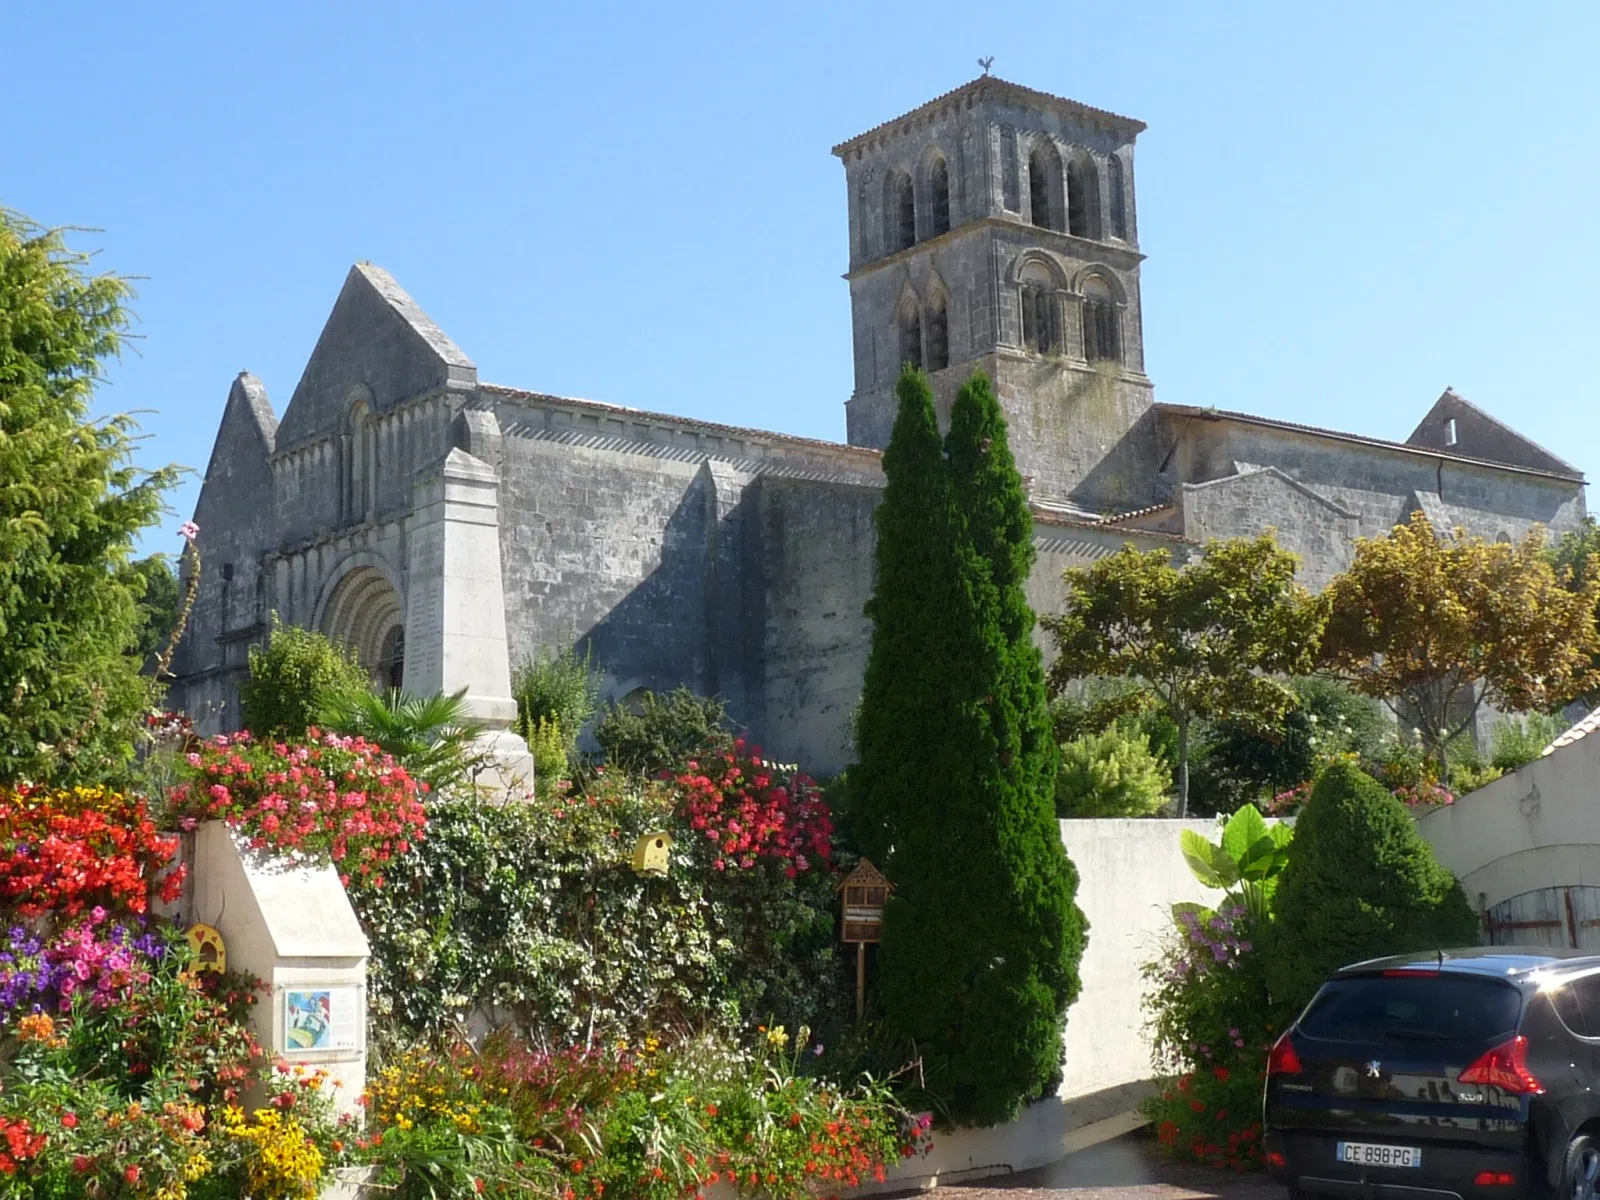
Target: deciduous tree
{"x": 72, "y": 504}
{"x": 1206, "y": 638}
{"x": 1437, "y": 625}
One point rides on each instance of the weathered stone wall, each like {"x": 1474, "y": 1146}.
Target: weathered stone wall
{"x": 1381, "y": 485}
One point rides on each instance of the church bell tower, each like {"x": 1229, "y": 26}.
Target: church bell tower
{"x": 994, "y": 229}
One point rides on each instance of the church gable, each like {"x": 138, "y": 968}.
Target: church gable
{"x": 1464, "y": 429}
{"x": 377, "y": 344}
{"x": 1244, "y": 505}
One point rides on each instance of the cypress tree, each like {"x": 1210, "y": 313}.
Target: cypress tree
{"x": 902, "y": 699}
{"x": 982, "y": 937}
{"x": 1360, "y": 883}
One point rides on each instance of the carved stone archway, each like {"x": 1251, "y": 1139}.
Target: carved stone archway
{"x": 364, "y": 612}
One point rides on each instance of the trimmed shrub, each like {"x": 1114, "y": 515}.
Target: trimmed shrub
{"x": 666, "y": 732}
{"x": 1111, "y": 774}
{"x": 1360, "y": 883}
{"x": 982, "y": 938}
{"x": 294, "y": 680}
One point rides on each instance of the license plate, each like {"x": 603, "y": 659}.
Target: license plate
{"x": 1364, "y": 1154}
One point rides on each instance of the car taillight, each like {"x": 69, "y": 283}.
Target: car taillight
{"x": 1494, "y": 1179}
{"x": 1283, "y": 1060}
{"x": 1505, "y": 1067}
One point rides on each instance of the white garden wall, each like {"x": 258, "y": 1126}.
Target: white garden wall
{"x": 1130, "y": 874}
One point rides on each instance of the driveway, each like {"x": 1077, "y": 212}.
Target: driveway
{"x": 1126, "y": 1168}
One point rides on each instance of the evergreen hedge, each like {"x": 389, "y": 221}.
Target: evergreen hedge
{"x": 982, "y": 938}
{"x": 1360, "y": 883}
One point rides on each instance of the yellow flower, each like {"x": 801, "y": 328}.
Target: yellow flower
{"x": 776, "y": 1037}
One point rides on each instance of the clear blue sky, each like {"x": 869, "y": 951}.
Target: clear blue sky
{"x": 1345, "y": 207}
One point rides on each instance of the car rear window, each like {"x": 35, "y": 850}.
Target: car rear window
{"x": 1419, "y": 1008}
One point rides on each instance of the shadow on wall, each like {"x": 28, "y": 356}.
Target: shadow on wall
{"x": 1126, "y": 473}
{"x": 687, "y": 622}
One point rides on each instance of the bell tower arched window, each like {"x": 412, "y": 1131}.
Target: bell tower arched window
{"x": 1083, "y": 198}
{"x": 1102, "y": 323}
{"x": 900, "y": 217}
{"x": 1116, "y": 185}
{"x": 938, "y": 335}
{"x": 1044, "y": 186}
{"x": 357, "y": 454}
{"x": 911, "y": 336}
{"x": 939, "y": 199}
{"x": 1041, "y": 324}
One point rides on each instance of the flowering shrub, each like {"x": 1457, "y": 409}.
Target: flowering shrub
{"x": 67, "y": 850}
{"x": 97, "y": 960}
{"x": 332, "y": 797}
{"x": 747, "y": 810}
{"x": 651, "y": 1122}
{"x": 1210, "y": 1017}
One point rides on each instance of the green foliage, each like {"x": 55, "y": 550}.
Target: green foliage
{"x": 551, "y": 767}
{"x": 71, "y": 506}
{"x": 1360, "y": 883}
{"x": 1205, "y": 638}
{"x": 982, "y": 937}
{"x": 1576, "y": 561}
{"x": 531, "y": 911}
{"x": 556, "y": 686}
{"x": 1111, "y": 774}
{"x": 432, "y": 737}
{"x": 1093, "y": 706}
{"x": 903, "y": 717}
{"x": 664, "y": 733}
{"x": 1246, "y": 862}
{"x": 1239, "y": 763}
{"x": 158, "y": 605}
{"x": 294, "y": 680}
{"x": 1519, "y": 741}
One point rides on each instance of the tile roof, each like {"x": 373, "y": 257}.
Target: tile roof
{"x": 1218, "y": 414}
{"x": 1006, "y": 88}
{"x": 1577, "y": 733}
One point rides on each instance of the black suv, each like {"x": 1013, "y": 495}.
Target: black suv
{"x": 1471, "y": 1073}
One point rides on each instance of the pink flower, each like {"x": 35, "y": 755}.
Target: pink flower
{"x": 188, "y": 531}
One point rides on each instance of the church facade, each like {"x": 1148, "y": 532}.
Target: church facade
{"x": 446, "y": 528}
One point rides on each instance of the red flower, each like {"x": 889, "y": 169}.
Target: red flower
{"x": 131, "y": 1173}
{"x": 70, "y": 1120}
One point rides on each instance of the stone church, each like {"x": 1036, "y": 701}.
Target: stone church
{"x": 446, "y": 528}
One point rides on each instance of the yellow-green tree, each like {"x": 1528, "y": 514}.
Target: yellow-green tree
{"x": 1206, "y": 638}
{"x": 1438, "y": 625}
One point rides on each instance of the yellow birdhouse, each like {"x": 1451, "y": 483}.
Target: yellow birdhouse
{"x": 651, "y": 854}
{"x": 209, "y": 952}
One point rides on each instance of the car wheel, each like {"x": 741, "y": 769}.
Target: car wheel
{"x": 1580, "y": 1171}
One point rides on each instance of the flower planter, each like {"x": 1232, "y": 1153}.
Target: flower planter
{"x": 350, "y": 1183}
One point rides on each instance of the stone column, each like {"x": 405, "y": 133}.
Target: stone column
{"x": 455, "y": 611}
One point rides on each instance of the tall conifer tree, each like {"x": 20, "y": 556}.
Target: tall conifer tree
{"x": 902, "y": 701}
{"x": 982, "y": 937}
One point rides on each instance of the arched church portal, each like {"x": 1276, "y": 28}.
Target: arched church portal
{"x": 366, "y": 614}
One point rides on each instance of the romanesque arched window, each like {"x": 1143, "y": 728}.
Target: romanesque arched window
{"x": 357, "y": 463}
{"x": 1102, "y": 322}
{"x": 1009, "y": 192}
{"x": 1041, "y": 322}
{"x": 1044, "y": 186}
{"x": 900, "y": 217}
{"x": 910, "y": 335}
{"x": 939, "y": 199}
{"x": 1116, "y": 185}
{"x": 938, "y": 335}
{"x": 1083, "y": 198}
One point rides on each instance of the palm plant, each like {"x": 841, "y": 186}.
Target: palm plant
{"x": 433, "y": 737}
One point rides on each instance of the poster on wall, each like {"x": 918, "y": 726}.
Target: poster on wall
{"x": 317, "y": 1019}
